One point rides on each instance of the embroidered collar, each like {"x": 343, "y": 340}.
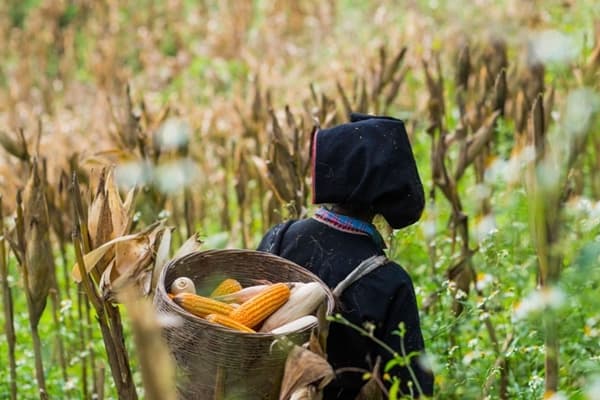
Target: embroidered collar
{"x": 348, "y": 224}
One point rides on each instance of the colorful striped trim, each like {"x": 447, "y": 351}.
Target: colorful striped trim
{"x": 348, "y": 224}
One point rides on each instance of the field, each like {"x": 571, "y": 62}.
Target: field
{"x": 203, "y": 111}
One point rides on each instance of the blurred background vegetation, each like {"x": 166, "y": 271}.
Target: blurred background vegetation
{"x": 208, "y": 107}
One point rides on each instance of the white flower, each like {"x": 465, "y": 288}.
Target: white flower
{"x": 173, "y": 134}
{"x": 471, "y": 356}
{"x": 485, "y": 226}
{"x": 552, "y": 46}
{"x": 175, "y": 175}
{"x": 428, "y": 362}
{"x": 545, "y": 298}
{"x": 129, "y": 174}
{"x": 554, "y": 396}
{"x": 496, "y": 170}
{"x": 581, "y": 106}
{"x": 483, "y": 280}
{"x": 592, "y": 391}
{"x": 71, "y": 384}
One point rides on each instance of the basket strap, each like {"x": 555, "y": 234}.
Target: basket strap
{"x": 365, "y": 267}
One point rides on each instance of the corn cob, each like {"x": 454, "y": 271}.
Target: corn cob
{"x": 201, "y": 306}
{"x": 226, "y": 287}
{"x": 183, "y": 285}
{"x": 304, "y": 299}
{"x": 254, "y": 311}
{"x": 243, "y": 295}
{"x": 295, "y": 325}
{"x": 228, "y": 322}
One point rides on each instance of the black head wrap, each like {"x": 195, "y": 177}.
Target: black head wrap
{"x": 368, "y": 162}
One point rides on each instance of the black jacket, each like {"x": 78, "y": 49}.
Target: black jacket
{"x": 384, "y": 297}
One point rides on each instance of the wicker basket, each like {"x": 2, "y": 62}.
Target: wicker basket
{"x": 218, "y": 363}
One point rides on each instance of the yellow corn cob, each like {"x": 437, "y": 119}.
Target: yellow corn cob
{"x": 254, "y": 311}
{"x": 201, "y": 306}
{"x": 226, "y": 287}
{"x": 228, "y": 322}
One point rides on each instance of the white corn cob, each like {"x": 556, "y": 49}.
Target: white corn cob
{"x": 183, "y": 285}
{"x": 295, "y": 325}
{"x": 304, "y": 299}
{"x": 242, "y": 295}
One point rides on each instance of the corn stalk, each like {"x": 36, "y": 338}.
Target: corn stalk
{"x": 7, "y": 303}
{"x": 108, "y": 316}
{"x": 480, "y": 117}
{"x": 548, "y": 199}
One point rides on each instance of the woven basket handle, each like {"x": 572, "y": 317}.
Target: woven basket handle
{"x": 366, "y": 266}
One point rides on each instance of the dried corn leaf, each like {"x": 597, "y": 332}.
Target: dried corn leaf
{"x": 500, "y": 91}
{"x": 133, "y": 262}
{"x": 371, "y": 389}
{"x": 17, "y": 149}
{"x": 162, "y": 255}
{"x": 475, "y": 144}
{"x": 463, "y": 69}
{"x": 191, "y": 245}
{"x": 345, "y": 101}
{"x": 263, "y": 172}
{"x": 395, "y": 64}
{"x": 99, "y": 219}
{"x": 302, "y": 368}
{"x": 121, "y": 210}
{"x": 132, "y": 254}
{"x": 92, "y": 258}
{"x": 108, "y": 275}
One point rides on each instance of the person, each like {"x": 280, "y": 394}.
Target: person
{"x": 360, "y": 169}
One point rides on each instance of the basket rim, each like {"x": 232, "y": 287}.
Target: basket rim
{"x": 162, "y": 292}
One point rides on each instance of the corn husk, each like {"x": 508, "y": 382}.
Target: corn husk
{"x": 38, "y": 250}
{"x": 304, "y": 299}
{"x": 303, "y": 368}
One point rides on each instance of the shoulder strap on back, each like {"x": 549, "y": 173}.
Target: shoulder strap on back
{"x": 368, "y": 265}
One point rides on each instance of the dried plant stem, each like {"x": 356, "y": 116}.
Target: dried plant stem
{"x": 188, "y": 210}
{"x": 9, "y": 327}
{"x": 155, "y": 361}
{"x": 90, "y": 347}
{"x": 100, "y": 380}
{"x": 501, "y": 364}
{"x": 81, "y": 215}
{"x": 108, "y": 316}
{"x": 112, "y": 331}
{"x": 65, "y": 264}
{"x": 82, "y": 342}
{"x": 62, "y": 360}
{"x": 545, "y": 232}
{"x": 387, "y": 348}
{"x": 33, "y": 324}
{"x": 39, "y": 366}
{"x": 363, "y": 371}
